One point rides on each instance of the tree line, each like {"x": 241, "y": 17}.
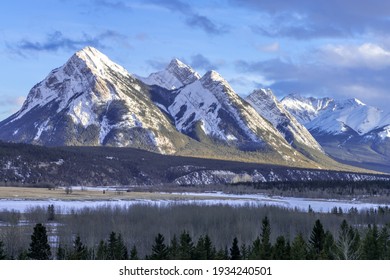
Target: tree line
{"x": 139, "y": 224}
{"x": 349, "y": 244}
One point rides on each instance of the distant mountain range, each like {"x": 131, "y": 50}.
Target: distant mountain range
{"x": 92, "y": 101}
{"x": 348, "y": 130}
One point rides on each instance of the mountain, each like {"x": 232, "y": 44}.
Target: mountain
{"x": 266, "y": 104}
{"x": 211, "y": 112}
{"x": 305, "y": 109}
{"x": 209, "y": 107}
{"x": 176, "y": 75}
{"x": 92, "y": 101}
{"x": 329, "y": 116}
{"x": 349, "y": 130}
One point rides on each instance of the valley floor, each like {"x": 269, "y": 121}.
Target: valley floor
{"x": 75, "y": 198}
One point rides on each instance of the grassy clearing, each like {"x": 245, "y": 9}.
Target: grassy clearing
{"x": 90, "y": 194}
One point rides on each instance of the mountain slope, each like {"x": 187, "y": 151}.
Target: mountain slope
{"x": 209, "y": 111}
{"x": 91, "y": 101}
{"x": 329, "y": 116}
{"x": 266, "y": 104}
{"x": 176, "y": 75}
{"x": 349, "y": 130}
{"x": 110, "y": 166}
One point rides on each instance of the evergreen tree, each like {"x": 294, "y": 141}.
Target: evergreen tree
{"x": 328, "y": 253}
{"x": 204, "y": 249}
{"x": 159, "y": 249}
{"x": 3, "y": 256}
{"x": 266, "y": 247}
{"x": 61, "y": 253}
{"x": 347, "y": 245}
{"x": 317, "y": 240}
{"x": 50, "y": 212}
{"x": 244, "y": 252}
{"x": 23, "y": 255}
{"x": 39, "y": 246}
{"x": 199, "y": 251}
{"x": 80, "y": 251}
{"x": 235, "y": 253}
{"x": 288, "y": 251}
{"x": 209, "y": 248}
{"x": 280, "y": 250}
{"x": 384, "y": 243}
{"x": 254, "y": 253}
{"x": 121, "y": 252}
{"x": 173, "y": 249}
{"x": 116, "y": 248}
{"x": 222, "y": 254}
{"x": 102, "y": 251}
{"x": 299, "y": 248}
{"x": 370, "y": 249}
{"x": 186, "y": 247}
{"x": 134, "y": 253}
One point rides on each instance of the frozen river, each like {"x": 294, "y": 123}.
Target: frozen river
{"x": 254, "y": 200}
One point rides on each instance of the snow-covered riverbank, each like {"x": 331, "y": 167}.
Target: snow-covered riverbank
{"x": 254, "y": 200}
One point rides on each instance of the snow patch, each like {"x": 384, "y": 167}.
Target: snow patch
{"x": 385, "y": 133}
{"x": 43, "y": 127}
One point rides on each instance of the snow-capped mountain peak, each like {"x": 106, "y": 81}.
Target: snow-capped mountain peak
{"x": 214, "y": 82}
{"x": 90, "y": 100}
{"x": 176, "y": 75}
{"x": 267, "y": 105}
{"x": 330, "y": 116}
{"x": 93, "y": 101}
{"x": 359, "y": 102}
{"x": 305, "y": 109}
{"x": 87, "y": 68}
{"x": 96, "y": 61}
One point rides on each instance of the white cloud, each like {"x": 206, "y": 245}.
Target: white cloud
{"x": 244, "y": 85}
{"x": 15, "y": 101}
{"x": 10, "y": 105}
{"x": 367, "y": 55}
{"x": 368, "y": 93}
{"x": 273, "y": 47}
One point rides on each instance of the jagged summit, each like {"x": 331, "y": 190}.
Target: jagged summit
{"x": 331, "y": 116}
{"x": 83, "y": 74}
{"x": 176, "y": 64}
{"x": 95, "y": 61}
{"x": 176, "y": 75}
{"x": 92, "y": 101}
{"x": 267, "y": 105}
{"x": 214, "y": 82}
{"x": 347, "y": 129}
{"x": 347, "y": 103}
{"x": 213, "y": 77}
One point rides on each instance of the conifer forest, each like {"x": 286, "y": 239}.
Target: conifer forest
{"x": 190, "y": 232}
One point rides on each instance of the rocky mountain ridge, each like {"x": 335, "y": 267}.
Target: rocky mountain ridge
{"x": 348, "y": 130}
{"x": 92, "y": 101}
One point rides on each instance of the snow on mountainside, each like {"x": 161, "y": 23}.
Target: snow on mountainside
{"x": 348, "y": 130}
{"x": 176, "y": 75}
{"x": 329, "y": 116}
{"x": 210, "y": 107}
{"x": 89, "y": 101}
{"x": 92, "y": 101}
{"x": 266, "y": 104}
{"x": 305, "y": 109}
{"x": 74, "y": 74}
{"x": 207, "y": 108}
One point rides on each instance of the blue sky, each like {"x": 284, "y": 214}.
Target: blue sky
{"x": 316, "y": 48}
